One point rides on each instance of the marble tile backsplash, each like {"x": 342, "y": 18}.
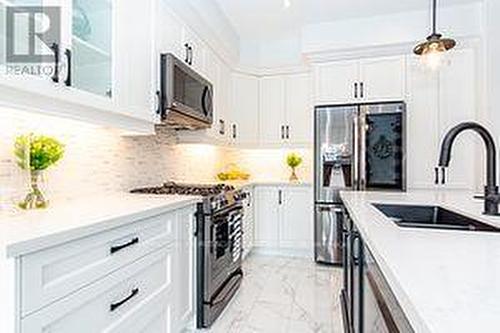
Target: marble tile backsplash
{"x": 99, "y": 160}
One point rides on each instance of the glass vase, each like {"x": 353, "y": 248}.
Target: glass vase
{"x": 35, "y": 198}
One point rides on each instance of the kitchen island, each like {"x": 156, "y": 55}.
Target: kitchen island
{"x": 444, "y": 280}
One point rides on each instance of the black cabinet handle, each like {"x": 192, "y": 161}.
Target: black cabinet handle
{"x": 117, "y": 248}
{"x": 67, "y": 82}
{"x": 55, "y": 48}
{"x": 158, "y": 102}
{"x": 186, "y": 58}
{"x": 280, "y": 197}
{"x": 234, "y": 131}
{"x": 116, "y": 305}
{"x": 282, "y": 132}
{"x": 287, "y": 131}
{"x": 355, "y": 90}
{"x": 190, "y": 55}
{"x": 436, "y": 175}
{"x": 362, "y": 89}
{"x": 443, "y": 176}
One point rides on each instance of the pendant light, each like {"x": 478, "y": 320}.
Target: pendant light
{"x": 433, "y": 49}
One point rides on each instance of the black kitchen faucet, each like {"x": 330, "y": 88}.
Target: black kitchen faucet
{"x": 491, "y": 196}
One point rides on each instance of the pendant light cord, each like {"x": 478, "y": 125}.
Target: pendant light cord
{"x": 434, "y": 10}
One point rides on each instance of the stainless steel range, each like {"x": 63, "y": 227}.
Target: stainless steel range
{"x": 218, "y": 234}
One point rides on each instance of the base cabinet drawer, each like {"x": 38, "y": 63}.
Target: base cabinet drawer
{"x": 52, "y": 274}
{"x": 136, "y": 298}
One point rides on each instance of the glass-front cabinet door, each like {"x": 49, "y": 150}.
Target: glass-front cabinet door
{"x": 91, "y": 46}
{"x": 68, "y": 42}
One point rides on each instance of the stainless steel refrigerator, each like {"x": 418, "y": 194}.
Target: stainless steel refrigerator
{"x": 356, "y": 147}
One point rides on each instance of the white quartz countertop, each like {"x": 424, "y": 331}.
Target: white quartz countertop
{"x": 445, "y": 280}
{"x": 27, "y": 231}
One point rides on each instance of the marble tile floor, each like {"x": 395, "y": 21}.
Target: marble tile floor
{"x": 284, "y": 295}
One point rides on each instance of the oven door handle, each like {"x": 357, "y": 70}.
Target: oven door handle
{"x": 233, "y": 283}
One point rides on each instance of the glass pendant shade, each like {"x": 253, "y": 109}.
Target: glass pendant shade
{"x": 433, "y": 49}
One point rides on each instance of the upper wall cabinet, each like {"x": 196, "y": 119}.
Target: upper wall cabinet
{"x": 97, "y": 70}
{"x": 436, "y": 102}
{"x": 285, "y": 110}
{"x": 244, "y": 128}
{"x": 368, "y": 80}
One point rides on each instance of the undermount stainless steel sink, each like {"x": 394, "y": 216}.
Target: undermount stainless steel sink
{"x": 431, "y": 217}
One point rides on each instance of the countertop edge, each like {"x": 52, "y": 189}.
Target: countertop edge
{"x": 25, "y": 247}
{"x": 417, "y": 322}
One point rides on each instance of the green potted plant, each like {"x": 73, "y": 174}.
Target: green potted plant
{"x": 36, "y": 153}
{"x": 293, "y": 160}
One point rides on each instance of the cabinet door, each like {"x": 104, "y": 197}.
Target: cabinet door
{"x": 168, "y": 31}
{"x": 134, "y": 79}
{"x": 296, "y": 225}
{"x": 272, "y": 110}
{"x": 197, "y": 51}
{"x": 457, "y": 103}
{"x": 92, "y": 28}
{"x": 267, "y": 199}
{"x": 335, "y": 82}
{"x": 422, "y": 123}
{"x": 225, "y": 111}
{"x": 245, "y": 109}
{"x": 184, "y": 284}
{"x": 383, "y": 79}
{"x": 299, "y": 110}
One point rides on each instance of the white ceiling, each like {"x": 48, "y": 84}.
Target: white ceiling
{"x": 268, "y": 19}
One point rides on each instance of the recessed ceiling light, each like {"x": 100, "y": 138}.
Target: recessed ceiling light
{"x": 287, "y": 3}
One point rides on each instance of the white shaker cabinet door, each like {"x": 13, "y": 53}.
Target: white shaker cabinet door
{"x": 184, "y": 274}
{"x": 245, "y": 127}
{"x": 296, "y": 227}
{"x": 382, "y": 79}
{"x": 272, "y": 110}
{"x": 299, "y": 109}
{"x": 335, "y": 82}
{"x": 457, "y": 103}
{"x": 135, "y": 82}
{"x": 422, "y": 124}
{"x": 267, "y": 216}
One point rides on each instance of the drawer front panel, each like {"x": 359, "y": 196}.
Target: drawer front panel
{"x": 135, "y": 298}
{"x": 56, "y": 272}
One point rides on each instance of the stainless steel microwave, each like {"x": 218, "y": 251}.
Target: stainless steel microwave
{"x": 186, "y": 98}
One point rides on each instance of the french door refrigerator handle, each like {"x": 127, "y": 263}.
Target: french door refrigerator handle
{"x": 362, "y": 126}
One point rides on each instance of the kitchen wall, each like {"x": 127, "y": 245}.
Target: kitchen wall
{"x": 270, "y": 164}
{"x": 100, "y": 159}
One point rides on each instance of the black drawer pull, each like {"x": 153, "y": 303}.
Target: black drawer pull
{"x": 116, "y": 305}
{"x": 117, "y": 248}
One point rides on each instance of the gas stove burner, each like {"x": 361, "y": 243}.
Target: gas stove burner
{"x": 186, "y": 189}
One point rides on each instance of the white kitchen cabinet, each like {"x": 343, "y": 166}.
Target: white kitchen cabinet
{"x": 285, "y": 110}
{"x": 438, "y": 101}
{"x": 296, "y": 228}
{"x": 283, "y": 219}
{"x": 134, "y": 278}
{"x": 299, "y": 109}
{"x": 184, "y": 269}
{"x": 248, "y": 222}
{"x": 358, "y": 81}
{"x": 168, "y": 31}
{"x": 272, "y": 110}
{"x": 335, "y": 82}
{"x": 244, "y": 129}
{"x": 383, "y": 79}
{"x": 123, "y": 296}
{"x": 135, "y": 64}
{"x": 267, "y": 217}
